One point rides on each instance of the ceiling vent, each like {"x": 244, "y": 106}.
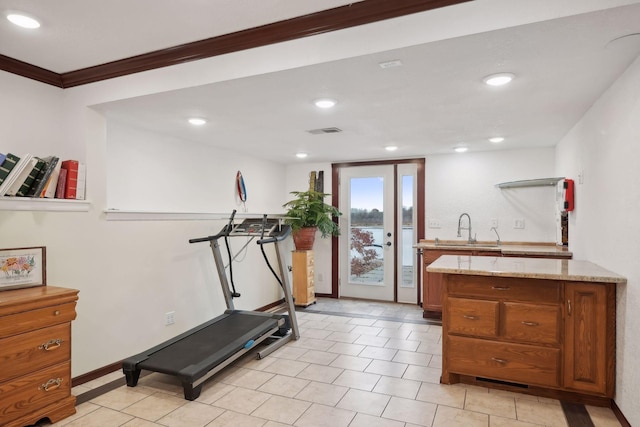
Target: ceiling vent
{"x": 324, "y": 130}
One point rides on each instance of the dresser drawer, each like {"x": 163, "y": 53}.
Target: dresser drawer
{"x": 26, "y": 321}
{"x": 472, "y": 317}
{"x": 32, "y": 392}
{"x": 519, "y": 363}
{"x": 32, "y": 351}
{"x": 533, "y": 323}
{"x": 513, "y": 289}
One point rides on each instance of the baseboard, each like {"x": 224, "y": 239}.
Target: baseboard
{"x": 100, "y": 372}
{"x": 619, "y": 415}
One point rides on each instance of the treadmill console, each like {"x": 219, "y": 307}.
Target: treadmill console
{"x": 254, "y": 226}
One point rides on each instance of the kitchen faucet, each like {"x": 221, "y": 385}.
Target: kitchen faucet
{"x": 460, "y": 227}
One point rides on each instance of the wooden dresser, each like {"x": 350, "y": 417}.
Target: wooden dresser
{"x": 550, "y": 333}
{"x": 304, "y": 291}
{"x": 35, "y": 355}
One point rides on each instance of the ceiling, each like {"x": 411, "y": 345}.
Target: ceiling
{"x": 433, "y": 102}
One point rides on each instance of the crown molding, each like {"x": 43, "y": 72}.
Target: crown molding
{"x": 339, "y": 18}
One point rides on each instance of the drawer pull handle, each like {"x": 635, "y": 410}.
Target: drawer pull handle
{"x": 531, "y": 323}
{"x": 51, "y": 345}
{"x": 569, "y": 306}
{"x": 466, "y": 316}
{"x": 56, "y": 313}
{"x": 51, "y": 384}
{"x": 500, "y": 288}
{"x": 501, "y": 361}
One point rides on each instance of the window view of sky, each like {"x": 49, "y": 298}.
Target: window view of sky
{"x": 366, "y": 193}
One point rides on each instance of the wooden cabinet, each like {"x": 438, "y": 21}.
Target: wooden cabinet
{"x": 541, "y": 333}
{"x": 432, "y": 282}
{"x": 35, "y": 355}
{"x": 304, "y": 292}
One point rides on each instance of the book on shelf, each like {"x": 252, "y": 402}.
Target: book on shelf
{"x": 22, "y": 190}
{"x": 62, "y": 183}
{"x": 18, "y": 175}
{"x": 7, "y": 166}
{"x": 50, "y": 163}
{"x": 50, "y": 187}
{"x": 71, "y": 180}
{"x": 82, "y": 180}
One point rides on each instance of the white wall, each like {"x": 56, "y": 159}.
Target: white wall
{"x": 604, "y": 148}
{"x": 465, "y": 182}
{"x": 129, "y": 273}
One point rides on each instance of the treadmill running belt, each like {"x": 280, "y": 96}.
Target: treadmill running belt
{"x": 201, "y": 345}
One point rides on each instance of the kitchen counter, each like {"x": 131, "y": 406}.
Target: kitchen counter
{"x": 505, "y": 248}
{"x": 532, "y": 268}
{"x": 533, "y": 325}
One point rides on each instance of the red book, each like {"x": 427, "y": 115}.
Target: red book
{"x": 62, "y": 183}
{"x": 71, "y": 166}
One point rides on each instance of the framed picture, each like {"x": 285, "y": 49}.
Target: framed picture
{"x": 22, "y": 268}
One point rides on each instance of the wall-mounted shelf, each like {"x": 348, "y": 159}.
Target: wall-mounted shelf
{"x": 34, "y": 204}
{"x": 541, "y": 182}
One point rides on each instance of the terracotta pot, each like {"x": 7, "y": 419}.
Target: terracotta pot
{"x": 303, "y": 239}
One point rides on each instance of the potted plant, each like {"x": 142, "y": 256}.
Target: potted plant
{"x": 308, "y": 213}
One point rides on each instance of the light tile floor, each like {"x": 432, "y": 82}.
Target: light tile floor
{"x": 351, "y": 370}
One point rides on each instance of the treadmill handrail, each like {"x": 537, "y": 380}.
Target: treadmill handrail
{"x": 282, "y": 234}
{"x": 224, "y": 232}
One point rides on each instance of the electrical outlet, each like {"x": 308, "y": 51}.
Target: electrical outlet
{"x": 170, "y": 318}
{"x": 518, "y": 223}
{"x": 493, "y": 223}
{"x": 320, "y": 277}
{"x": 434, "y": 223}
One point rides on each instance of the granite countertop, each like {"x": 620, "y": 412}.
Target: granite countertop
{"x": 505, "y": 248}
{"x": 533, "y": 268}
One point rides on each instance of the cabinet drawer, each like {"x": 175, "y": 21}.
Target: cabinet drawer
{"x": 27, "y": 321}
{"x": 32, "y": 351}
{"x": 472, "y": 317}
{"x": 518, "y": 363}
{"x": 430, "y": 256}
{"x": 32, "y": 392}
{"x": 513, "y": 289}
{"x": 532, "y": 322}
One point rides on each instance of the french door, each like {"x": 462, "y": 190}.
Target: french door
{"x": 379, "y": 226}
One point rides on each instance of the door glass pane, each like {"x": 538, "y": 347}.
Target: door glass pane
{"x": 406, "y": 243}
{"x": 366, "y": 231}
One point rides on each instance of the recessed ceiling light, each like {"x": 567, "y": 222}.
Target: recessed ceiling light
{"x": 496, "y": 139}
{"x": 196, "y": 121}
{"x": 391, "y": 148}
{"x": 499, "y": 79}
{"x": 325, "y": 103}
{"x": 301, "y": 155}
{"x": 23, "y": 21}
{"x": 460, "y": 149}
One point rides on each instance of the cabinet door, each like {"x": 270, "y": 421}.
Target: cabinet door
{"x": 432, "y": 282}
{"x": 589, "y": 337}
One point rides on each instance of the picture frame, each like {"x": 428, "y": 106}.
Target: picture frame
{"x": 23, "y": 268}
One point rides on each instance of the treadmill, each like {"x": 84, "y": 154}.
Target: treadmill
{"x": 201, "y": 352}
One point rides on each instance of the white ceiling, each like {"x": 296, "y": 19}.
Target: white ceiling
{"x": 432, "y": 103}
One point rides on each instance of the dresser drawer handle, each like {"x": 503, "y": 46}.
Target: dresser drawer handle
{"x": 466, "y": 316}
{"x": 501, "y": 361}
{"x": 51, "y": 384}
{"x": 530, "y": 323}
{"x": 51, "y": 345}
{"x": 500, "y": 288}
{"x": 56, "y": 313}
